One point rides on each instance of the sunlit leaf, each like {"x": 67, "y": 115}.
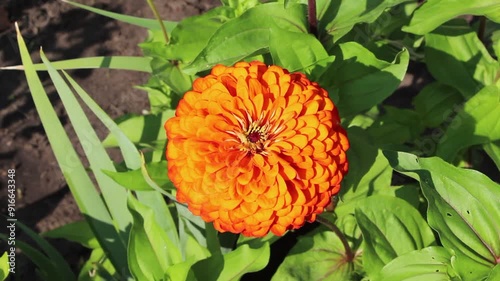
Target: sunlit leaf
{"x": 427, "y": 19}
{"x": 463, "y": 208}
{"x": 431, "y": 264}
{"x": 248, "y": 35}
{"x": 320, "y": 256}
{"x": 391, "y": 227}
{"x": 357, "y": 80}
{"x": 455, "y": 46}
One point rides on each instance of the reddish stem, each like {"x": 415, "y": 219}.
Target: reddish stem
{"x": 311, "y": 15}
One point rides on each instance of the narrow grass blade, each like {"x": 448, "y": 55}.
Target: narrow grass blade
{"x": 142, "y": 22}
{"x": 129, "y": 151}
{"x": 141, "y": 64}
{"x": 63, "y": 269}
{"x": 82, "y": 188}
{"x": 114, "y": 195}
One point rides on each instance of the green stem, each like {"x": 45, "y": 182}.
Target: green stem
{"x": 340, "y": 235}
{"x": 157, "y": 16}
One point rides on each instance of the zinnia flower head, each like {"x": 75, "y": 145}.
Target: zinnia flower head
{"x": 254, "y": 148}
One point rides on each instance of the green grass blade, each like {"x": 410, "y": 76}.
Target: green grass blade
{"x": 129, "y": 152}
{"x": 63, "y": 269}
{"x": 114, "y": 195}
{"x": 142, "y": 22}
{"x": 82, "y": 188}
{"x": 141, "y": 64}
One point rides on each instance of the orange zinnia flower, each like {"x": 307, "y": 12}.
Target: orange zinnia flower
{"x": 255, "y": 149}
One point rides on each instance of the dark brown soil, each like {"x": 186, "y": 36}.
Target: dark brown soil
{"x": 43, "y": 198}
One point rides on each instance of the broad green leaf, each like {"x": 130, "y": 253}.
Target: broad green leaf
{"x": 232, "y": 266}
{"x": 4, "y": 266}
{"x": 191, "y": 35}
{"x": 160, "y": 96}
{"x": 134, "y": 180}
{"x": 240, "y": 6}
{"x": 427, "y": 19}
{"x": 436, "y": 103}
{"x": 316, "y": 257}
{"x": 477, "y": 123}
{"x": 79, "y": 232}
{"x": 396, "y": 126}
{"x": 116, "y": 62}
{"x": 493, "y": 150}
{"x": 463, "y": 208}
{"x": 150, "y": 250}
{"x": 248, "y": 35}
{"x": 495, "y": 38}
{"x": 172, "y": 75}
{"x": 142, "y": 22}
{"x": 391, "y": 227}
{"x": 88, "y": 200}
{"x": 456, "y": 46}
{"x": 369, "y": 170}
{"x": 295, "y": 51}
{"x": 357, "y": 80}
{"x": 114, "y": 195}
{"x": 430, "y": 264}
{"x": 338, "y": 17}
{"x": 181, "y": 271}
{"x": 142, "y": 129}
{"x": 494, "y": 274}
{"x": 97, "y": 267}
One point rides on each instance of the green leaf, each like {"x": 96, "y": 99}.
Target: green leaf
{"x": 435, "y": 103}
{"x": 115, "y": 62}
{"x": 456, "y": 46}
{"x": 295, "y": 51}
{"x": 88, "y": 200}
{"x": 142, "y": 129}
{"x": 338, "y": 17}
{"x": 4, "y": 266}
{"x": 134, "y": 180}
{"x": 463, "y": 208}
{"x": 79, "y": 232}
{"x": 477, "y": 123}
{"x": 232, "y": 266}
{"x": 396, "y": 126}
{"x": 150, "y": 250}
{"x": 97, "y": 267}
{"x": 494, "y": 274}
{"x": 248, "y": 35}
{"x": 114, "y": 195}
{"x": 425, "y": 18}
{"x": 170, "y": 73}
{"x": 49, "y": 262}
{"x": 391, "y": 227}
{"x": 431, "y": 264}
{"x": 316, "y": 257}
{"x": 127, "y": 148}
{"x": 142, "y": 22}
{"x": 191, "y": 35}
{"x": 369, "y": 170}
{"x": 357, "y": 80}
{"x": 493, "y": 150}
